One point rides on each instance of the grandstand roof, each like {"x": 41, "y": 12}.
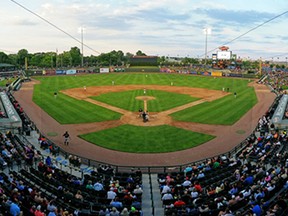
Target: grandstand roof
{"x": 6, "y": 65}
{"x": 143, "y": 56}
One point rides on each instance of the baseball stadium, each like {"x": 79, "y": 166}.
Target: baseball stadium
{"x": 194, "y": 121}
{"x": 114, "y": 134}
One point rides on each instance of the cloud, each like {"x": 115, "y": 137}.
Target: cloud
{"x": 237, "y": 17}
{"x": 165, "y": 26}
{"x": 23, "y": 22}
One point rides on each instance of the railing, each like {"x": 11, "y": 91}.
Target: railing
{"x": 145, "y": 169}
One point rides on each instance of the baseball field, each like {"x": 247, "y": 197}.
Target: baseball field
{"x": 173, "y": 101}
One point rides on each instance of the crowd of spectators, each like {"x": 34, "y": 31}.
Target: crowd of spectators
{"x": 50, "y": 191}
{"x": 47, "y": 190}
{"x": 13, "y": 152}
{"x": 252, "y": 182}
{"x": 221, "y": 187}
{"x": 278, "y": 80}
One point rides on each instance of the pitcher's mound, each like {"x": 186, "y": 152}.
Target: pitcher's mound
{"x": 145, "y": 98}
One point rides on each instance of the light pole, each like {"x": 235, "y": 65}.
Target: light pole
{"x": 56, "y": 59}
{"x": 260, "y": 66}
{"x": 206, "y": 31}
{"x": 81, "y": 30}
{"x": 81, "y": 47}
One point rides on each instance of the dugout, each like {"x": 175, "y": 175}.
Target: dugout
{"x": 280, "y": 117}
{"x": 8, "y": 70}
{"x": 11, "y": 121}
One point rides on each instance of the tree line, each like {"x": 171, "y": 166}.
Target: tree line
{"x": 73, "y": 58}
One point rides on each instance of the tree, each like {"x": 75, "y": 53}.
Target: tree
{"x": 46, "y": 61}
{"x": 21, "y": 55}
{"x": 66, "y": 59}
{"x": 161, "y": 60}
{"x": 4, "y": 58}
{"x": 76, "y": 56}
{"x": 36, "y": 59}
{"x": 140, "y": 53}
{"x": 13, "y": 59}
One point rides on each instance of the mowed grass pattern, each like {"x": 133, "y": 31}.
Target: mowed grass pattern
{"x": 163, "y": 100}
{"x": 157, "y": 139}
{"x": 136, "y": 139}
{"x": 225, "y": 111}
{"x": 68, "y": 111}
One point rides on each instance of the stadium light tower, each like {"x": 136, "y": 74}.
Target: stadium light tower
{"x": 207, "y": 31}
{"x": 81, "y": 30}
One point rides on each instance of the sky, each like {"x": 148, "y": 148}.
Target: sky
{"x": 156, "y": 27}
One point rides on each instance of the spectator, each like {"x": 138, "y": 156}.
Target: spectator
{"x": 38, "y": 211}
{"x": 256, "y": 209}
{"x": 15, "y": 209}
{"x": 138, "y": 190}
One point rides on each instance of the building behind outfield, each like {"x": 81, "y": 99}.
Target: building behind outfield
{"x": 143, "y": 61}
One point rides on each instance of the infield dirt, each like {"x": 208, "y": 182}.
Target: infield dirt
{"x": 132, "y": 118}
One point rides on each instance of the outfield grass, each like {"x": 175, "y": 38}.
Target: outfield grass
{"x": 224, "y": 111}
{"x": 157, "y": 139}
{"x": 67, "y": 110}
{"x": 163, "y": 100}
{"x": 128, "y": 138}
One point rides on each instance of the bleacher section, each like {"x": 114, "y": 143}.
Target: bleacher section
{"x": 255, "y": 176}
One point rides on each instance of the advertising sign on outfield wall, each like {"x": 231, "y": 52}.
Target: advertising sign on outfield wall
{"x": 216, "y": 73}
{"x": 104, "y": 70}
{"x": 71, "y": 71}
{"x": 60, "y": 72}
{"x": 234, "y": 75}
{"x": 206, "y": 73}
{"x": 49, "y": 72}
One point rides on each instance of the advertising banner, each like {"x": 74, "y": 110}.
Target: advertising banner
{"x": 60, "y": 72}
{"x": 193, "y": 72}
{"x": 216, "y": 73}
{"x": 49, "y": 72}
{"x": 71, "y": 71}
{"x": 234, "y": 75}
{"x": 206, "y": 73}
{"x": 104, "y": 70}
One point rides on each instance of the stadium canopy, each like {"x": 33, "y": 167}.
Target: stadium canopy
{"x": 6, "y": 65}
